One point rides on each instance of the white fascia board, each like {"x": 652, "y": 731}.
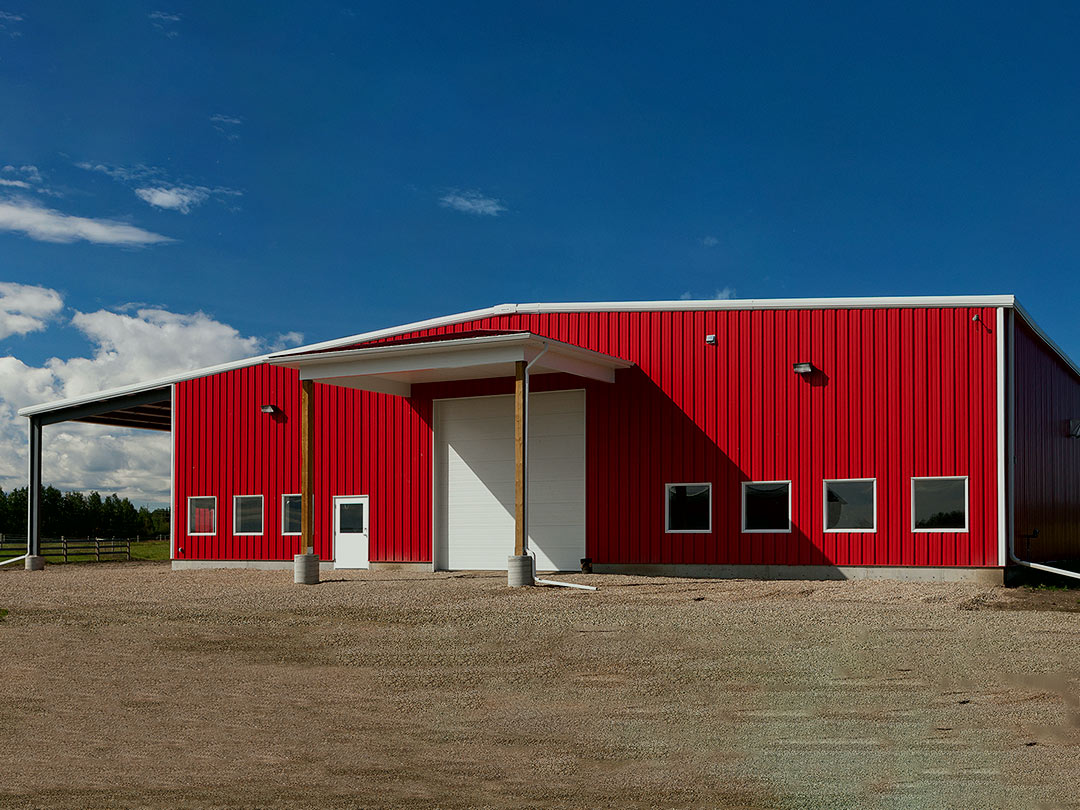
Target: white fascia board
{"x": 420, "y": 361}
{"x": 400, "y": 353}
{"x": 137, "y": 388}
{"x": 450, "y": 354}
{"x": 917, "y": 301}
{"x": 392, "y": 331}
{"x": 889, "y": 302}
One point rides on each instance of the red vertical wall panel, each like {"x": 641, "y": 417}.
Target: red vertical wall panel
{"x": 898, "y": 393}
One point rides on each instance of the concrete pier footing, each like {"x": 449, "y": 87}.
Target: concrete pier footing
{"x": 519, "y": 572}
{"x": 306, "y": 569}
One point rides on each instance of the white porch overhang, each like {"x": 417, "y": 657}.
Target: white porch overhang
{"x": 395, "y": 368}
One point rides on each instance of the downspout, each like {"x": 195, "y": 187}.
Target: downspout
{"x": 1010, "y": 399}
{"x": 525, "y": 454}
{"x": 525, "y": 473}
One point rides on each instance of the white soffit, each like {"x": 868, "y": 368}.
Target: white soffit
{"x": 393, "y": 369}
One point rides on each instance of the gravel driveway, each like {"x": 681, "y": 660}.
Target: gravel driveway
{"x": 130, "y": 685}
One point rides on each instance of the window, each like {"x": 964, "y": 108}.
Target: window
{"x": 688, "y": 508}
{"x": 766, "y": 506}
{"x": 202, "y": 515}
{"x": 248, "y": 514}
{"x": 851, "y": 505}
{"x": 290, "y": 514}
{"x": 939, "y": 504}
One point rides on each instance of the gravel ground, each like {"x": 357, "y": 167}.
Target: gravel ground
{"x": 135, "y": 686}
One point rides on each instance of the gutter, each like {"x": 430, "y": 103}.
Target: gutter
{"x": 525, "y": 509}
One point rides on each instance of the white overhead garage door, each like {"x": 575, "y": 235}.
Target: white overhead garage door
{"x": 474, "y": 481}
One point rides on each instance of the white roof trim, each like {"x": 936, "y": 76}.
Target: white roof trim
{"x": 887, "y": 302}
{"x": 655, "y": 306}
{"x": 393, "y": 368}
{"x": 291, "y": 360}
{"x": 136, "y": 388}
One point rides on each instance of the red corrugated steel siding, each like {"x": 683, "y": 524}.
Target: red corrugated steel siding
{"x": 1047, "y": 470}
{"x": 901, "y": 392}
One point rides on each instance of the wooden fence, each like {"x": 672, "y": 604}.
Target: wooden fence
{"x": 71, "y": 549}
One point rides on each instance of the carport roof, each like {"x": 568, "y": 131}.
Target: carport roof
{"x": 392, "y": 368}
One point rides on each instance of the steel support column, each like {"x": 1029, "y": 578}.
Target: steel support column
{"x": 307, "y": 467}
{"x": 521, "y": 492}
{"x": 33, "y": 491}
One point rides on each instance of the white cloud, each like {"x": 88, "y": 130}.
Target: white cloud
{"x": 47, "y": 225}
{"x": 226, "y": 125}
{"x": 26, "y": 178}
{"x": 7, "y": 24}
{"x": 176, "y": 198}
{"x": 126, "y": 348}
{"x": 125, "y": 174}
{"x": 710, "y": 241}
{"x": 722, "y": 294}
{"x": 286, "y": 340}
{"x": 472, "y": 202}
{"x": 30, "y": 174}
{"x": 25, "y": 308}
{"x": 165, "y": 21}
{"x": 154, "y": 189}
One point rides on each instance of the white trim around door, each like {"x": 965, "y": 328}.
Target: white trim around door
{"x": 352, "y": 531}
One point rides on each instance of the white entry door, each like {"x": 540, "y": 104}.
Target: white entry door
{"x": 351, "y": 522}
{"x": 474, "y": 481}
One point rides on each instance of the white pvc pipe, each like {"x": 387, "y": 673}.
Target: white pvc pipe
{"x": 553, "y": 582}
{"x": 565, "y": 584}
{"x": 14, "y": 559}
{"x": 1039, "y": 566}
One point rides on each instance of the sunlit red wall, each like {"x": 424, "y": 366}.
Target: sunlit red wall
{"x": 900, "y": 393}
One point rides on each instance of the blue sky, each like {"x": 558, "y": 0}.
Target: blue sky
{"x": 327, "y": 168}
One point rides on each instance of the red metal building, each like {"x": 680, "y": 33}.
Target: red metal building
{"x": 834, "y": 437}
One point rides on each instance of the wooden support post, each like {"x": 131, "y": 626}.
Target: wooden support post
{"x": 519, "y": 458}
{"x": 307, "y": 467}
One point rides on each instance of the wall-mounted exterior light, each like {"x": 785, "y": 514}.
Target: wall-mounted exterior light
{"x": 270, "y": 409}
{"x": 803, "y": 368}
{"x": 710, "y": 339}
{"x": 1073, "y": 429}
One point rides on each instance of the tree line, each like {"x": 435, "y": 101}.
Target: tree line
{"x": 77, "y": 514}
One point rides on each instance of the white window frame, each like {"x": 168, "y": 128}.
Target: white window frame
{"x": 283, "y": 497}
{"x": 825, "y": 505}
{"x": 201, "y": 498}
{"x": 742, "y": 503}
{"x": 262, "y": 515}
{"x": 667, "y": 517}
{"x": 967, "y": 503}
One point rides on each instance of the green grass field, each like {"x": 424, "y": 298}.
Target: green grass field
{"x": 142, "y": 550}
